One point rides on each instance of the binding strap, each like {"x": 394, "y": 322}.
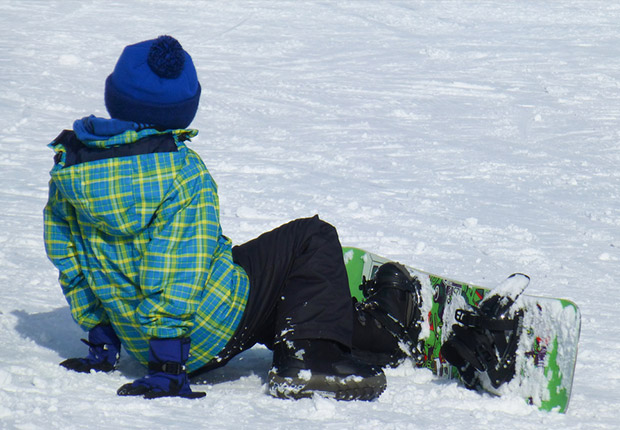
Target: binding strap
{"x": 474, "y": 319}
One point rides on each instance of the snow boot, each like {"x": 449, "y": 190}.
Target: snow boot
{"x": 302, "y": 368}
{"x": 388, "y": 321}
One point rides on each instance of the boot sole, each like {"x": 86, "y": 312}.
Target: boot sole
{"x": 348, "y": 388}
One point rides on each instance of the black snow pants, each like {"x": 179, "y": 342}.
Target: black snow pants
{"x": 298, "y": 289}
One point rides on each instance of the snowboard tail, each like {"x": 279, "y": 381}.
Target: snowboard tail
{"x": 549, "y": 329}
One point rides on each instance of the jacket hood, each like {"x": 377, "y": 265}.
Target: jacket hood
{"x": 117, "y": 185}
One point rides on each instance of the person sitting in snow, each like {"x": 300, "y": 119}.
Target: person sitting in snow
{"x": 132, "y": 224}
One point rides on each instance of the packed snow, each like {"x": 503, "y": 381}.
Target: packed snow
{"x": 467, "y": 138}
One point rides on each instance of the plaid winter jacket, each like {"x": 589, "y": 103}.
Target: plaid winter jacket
{"x": 132, "y": 224}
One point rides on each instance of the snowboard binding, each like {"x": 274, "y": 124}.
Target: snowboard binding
{"x": 390, "y": 316}
{"x": 483, "y": 345}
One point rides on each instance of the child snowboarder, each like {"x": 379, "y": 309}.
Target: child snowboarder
{"x": 132, "y": 224}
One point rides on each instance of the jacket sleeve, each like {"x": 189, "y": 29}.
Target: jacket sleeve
{"x": 175, "y": 267}
{"x": 62, "y": 250}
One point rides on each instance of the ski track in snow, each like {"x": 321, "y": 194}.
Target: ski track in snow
{"x": 467, "y": 138}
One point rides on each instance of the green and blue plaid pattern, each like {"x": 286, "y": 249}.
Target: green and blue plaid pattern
{"x": 138, "y": 244}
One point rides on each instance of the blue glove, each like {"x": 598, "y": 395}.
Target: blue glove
{"x": 167, "y": 376}
{"x": 103, "y": 353}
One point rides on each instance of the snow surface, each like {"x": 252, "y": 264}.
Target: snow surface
{"x": 467, "y": 138}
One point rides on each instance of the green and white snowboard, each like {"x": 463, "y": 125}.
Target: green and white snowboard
{"x": 548, "y": 339}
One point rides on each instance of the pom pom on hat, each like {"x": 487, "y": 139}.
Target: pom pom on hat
{"x": 154, "y": 82}
{"x": 166, "y": 57}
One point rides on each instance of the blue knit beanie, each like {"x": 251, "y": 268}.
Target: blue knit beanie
{"x": 154, "y": 82}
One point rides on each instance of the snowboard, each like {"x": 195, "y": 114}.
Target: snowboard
{"x": 548, "y": 338}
